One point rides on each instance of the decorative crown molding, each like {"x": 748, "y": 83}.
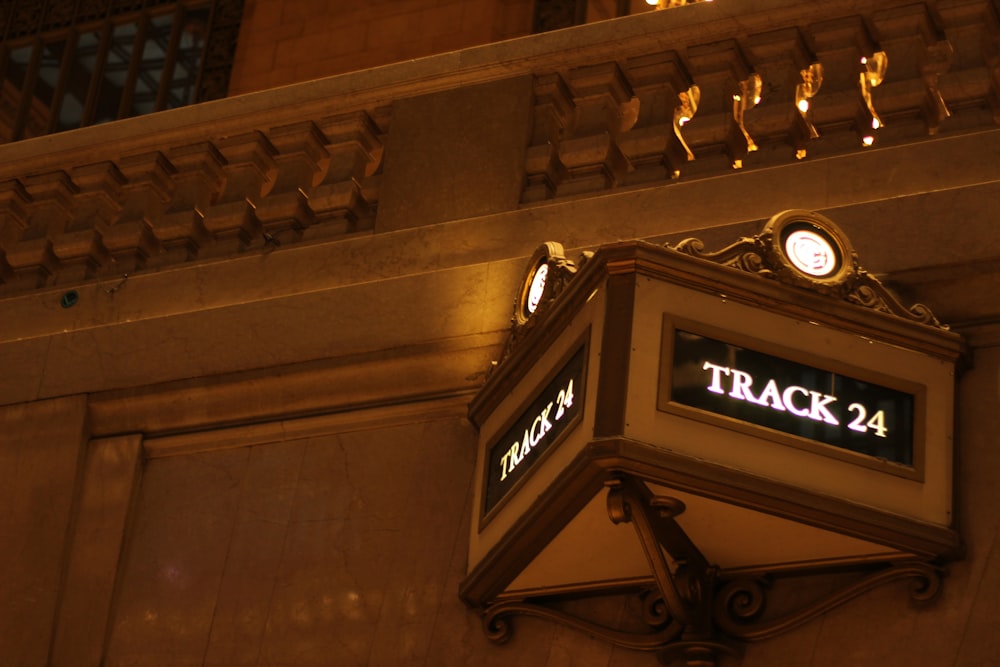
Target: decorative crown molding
{"x": 764, "y": 255}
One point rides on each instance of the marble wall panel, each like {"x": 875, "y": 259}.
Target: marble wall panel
{"x": 255, "y": 553}
{"x": 335, "y": 549}
{"x": 110, "y": 481}
{"x": 979, "y": 511}
{"x": 366, "y": 561}
{"x": 174, "y": 563}
{"x": 24, "y": 369}
{"x": 41, "y": 449}
{"x": 980, "y": 642}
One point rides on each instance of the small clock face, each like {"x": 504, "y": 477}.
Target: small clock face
{"x": 536, "y": 289}
{"x": 811, "y": 253}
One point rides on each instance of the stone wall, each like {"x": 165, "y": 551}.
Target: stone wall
{"x": 245, "y": 444}
{"x": 288, "y": 41}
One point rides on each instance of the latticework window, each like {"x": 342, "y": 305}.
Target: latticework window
{"x": 72, "y": 63}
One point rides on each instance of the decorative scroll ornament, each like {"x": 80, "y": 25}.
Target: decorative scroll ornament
{"x": 684, "y": 112}
{"x": 696, "y": 615}
{"x": 872, "y": 76}
{"x": 663, "y": 629}
{"x": 747, "y": 98}
{"x": 805, "y": 249}
{"x": 739, "y": 603}
{"x": 812, "y": 79}
{"x": 936, "y": 62}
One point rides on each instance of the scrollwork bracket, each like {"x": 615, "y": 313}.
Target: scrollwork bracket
{"x": 697, "y": 615}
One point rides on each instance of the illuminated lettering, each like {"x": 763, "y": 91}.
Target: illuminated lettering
{"x": 515, "y": 456}
{"x": 742, "y": 382}
{"x": 786, "y": 397}
{"x": 543, "y": 424}
{"x": 717, "y": 372}
{"x": 741, "y": 385}
{"x": 539, "y": 428}
{"x": 818, "y": 410}
{"x": 877, "y": 422}
{"x": 549, "y": 414}
{"x": 525, "y": 446}
{"x": 771, "y": 397}
{"x": 810, "y": 402}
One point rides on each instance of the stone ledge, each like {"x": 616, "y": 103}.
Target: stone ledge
{"x": 364, "y": 387}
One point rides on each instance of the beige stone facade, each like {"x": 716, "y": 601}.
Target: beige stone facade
{"x": 238, "y": 340}
{"x": 289, "y": 41}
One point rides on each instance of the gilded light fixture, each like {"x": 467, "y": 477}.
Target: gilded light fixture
{"x": 747, "y": 98}
{"x": 936, "y": 62}
{"x": 684, "y": 112}
{"x": 872, "y": 76}
{"x": 812, "y": 79}
{"x": 670, "y": 4}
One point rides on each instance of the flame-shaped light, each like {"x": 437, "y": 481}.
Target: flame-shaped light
{"x": 873, "y": 75}
{"x": 812, "y": 79}
{"x": 684, "y": 112}
{"x": 747, "y": 98}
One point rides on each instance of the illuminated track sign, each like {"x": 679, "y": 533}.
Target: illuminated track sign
{"x": 539, "y": 426}
{"x": 793, "y": 398}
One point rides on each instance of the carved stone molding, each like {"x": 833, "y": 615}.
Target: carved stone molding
{"x": 234, "y": 194}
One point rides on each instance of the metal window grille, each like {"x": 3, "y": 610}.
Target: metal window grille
{"x": 72, "y": 63}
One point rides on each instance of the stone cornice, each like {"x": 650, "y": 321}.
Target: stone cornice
{"x": 611, "y": 103}
{"x": 683, "y": 30}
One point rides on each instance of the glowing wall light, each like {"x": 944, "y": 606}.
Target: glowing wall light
{"x": 747, "y": 98}
{"x": 872, "y": 76}
{"x": 812, "y": 79}
{"x": 684, "y": 112}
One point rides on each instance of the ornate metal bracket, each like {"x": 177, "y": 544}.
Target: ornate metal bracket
{"x": 696, "y": 616}
{"x": 664, "y": 630}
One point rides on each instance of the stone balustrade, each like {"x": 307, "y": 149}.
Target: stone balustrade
{"x": 305, "y": 163}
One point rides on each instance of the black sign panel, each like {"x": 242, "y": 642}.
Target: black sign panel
{"x": 793, "y": 398}
{"x": 538, "y": 427}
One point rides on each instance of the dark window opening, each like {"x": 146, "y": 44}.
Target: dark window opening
{"x": 69, "y": 64}
{"x": 556, "y": 14}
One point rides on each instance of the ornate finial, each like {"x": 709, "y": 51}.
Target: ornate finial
{"x": 805, "y": 249}
{"x": 547, "y": 275}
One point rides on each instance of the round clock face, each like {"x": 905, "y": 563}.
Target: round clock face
{"x": 536, "y": 289}
{"x": 811, "y": 253}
